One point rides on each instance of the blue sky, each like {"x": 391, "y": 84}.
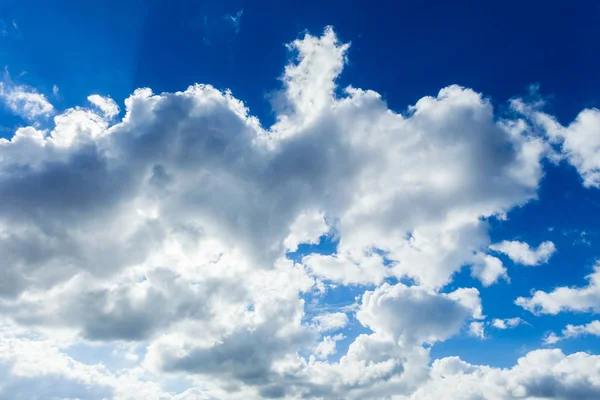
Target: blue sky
{"x": 374, "y": 233}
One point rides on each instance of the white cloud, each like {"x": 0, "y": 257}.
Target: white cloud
{"x": 108, "y": 106}
{"x": 477, "y": 329}
{"x": 573, "y": 331}
{"x": 521, "y": 253}
{"x": 24, "y": 100}
{"x": 541, "y": 374}
{"x": 507, "y": 323}
{"x": 168, "y": 230}
{"x": 327, "y": 346}
{"x": 414, "y": 315}
{"x": 489, "y": 270}
{"x": 331, "y": 321}
{"x": 307, "y": 228}
{"x": 586, "y": 299}
{"x": 579, "y": 141}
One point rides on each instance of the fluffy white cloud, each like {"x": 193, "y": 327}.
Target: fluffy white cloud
{"x": 521, "y": 253}
{"x": 541, "y": 374}
{"x": 585, "y": 298}
{"x": 489, "y": 270}
{"x": 507, "y": 323}
{"x": 572, "y": 331}
{"x": 24, "y": 100}
{"x": 307, "y": 228}
{"x": 415, "y": 315}
{"x": 168, "y": 231}
{"x": 327, "y": 346}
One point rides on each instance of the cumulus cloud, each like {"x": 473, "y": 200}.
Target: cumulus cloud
{"x": 582, "y": 299}
{"x": 327, "y": 346}
{"x": 489, "y": 270}
{"x": 168, "y": 230}
{"x": 541, "y": 374}
{"x": 414, "y": 315}
{"x": 522, "y": 253}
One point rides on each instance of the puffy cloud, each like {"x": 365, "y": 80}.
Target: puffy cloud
{"x": 507, "y": 323}
{"x": 585, "y": 298}
{"x": 541, "y": 374}
{"x": 477, "y": 329}
{"x": 573, "y": 331}
{"x": 327, "y": 346}
{"x": 521, "y": 253}
{"x": 168, "y": 230}
{"x": 489, "y": 270}
{"x": 24, "y": 100}
{"x": 415, "y": 315}
{"x": 108, "y": 106}
{"x": 307, "y": 228}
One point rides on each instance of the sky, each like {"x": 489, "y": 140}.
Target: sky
{"x": 309, "y": 200}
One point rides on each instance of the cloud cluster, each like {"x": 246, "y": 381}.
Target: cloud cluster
{"x": 167, "y": 231}
{"x": 541, "y": 374}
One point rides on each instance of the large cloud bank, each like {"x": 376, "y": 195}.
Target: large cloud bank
{"x": 160, "y": 239}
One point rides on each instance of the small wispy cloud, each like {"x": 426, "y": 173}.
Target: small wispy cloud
{"x": 236, "y": 19}
{"x": 24, "y": 100}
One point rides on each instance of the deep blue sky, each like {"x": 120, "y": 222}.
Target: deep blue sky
{"x": 401, "y": 49}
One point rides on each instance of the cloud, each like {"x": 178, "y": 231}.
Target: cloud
{"x": 477, "y": 329}
{"x": 24, "y": 100}
{"x": 582, "y": 299}
{"x": 327, "y": 346}
{"x": 307, "y": 228}
{"x": 579, "y": 142}
{"x": 414, "y": 315}
{"x": 521, "y": 253}
{"x": 489, "y": 270}
{"x": 507, "y": 323}
{"x": 331, "y": 321}
{"x": 109, "y": 108}
{"x": 573, "y": 331}
{"x": 168, "y": 229}
{"x": 547, "y": 374}
{"x": 236, "y": 20}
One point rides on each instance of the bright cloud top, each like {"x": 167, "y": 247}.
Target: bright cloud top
{"x": 163, "y": 237}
